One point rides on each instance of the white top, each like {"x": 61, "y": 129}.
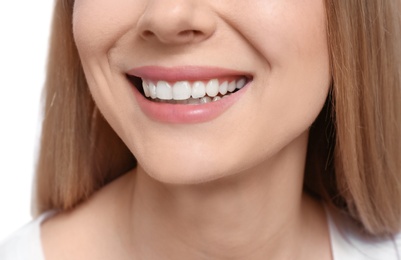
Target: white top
{"x": 347, "y": 242}
{"x": 25, "y": 243}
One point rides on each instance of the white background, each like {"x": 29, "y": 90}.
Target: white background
{"x": 24, "y": 33}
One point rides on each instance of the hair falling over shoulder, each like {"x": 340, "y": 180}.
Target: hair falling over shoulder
{"x": 79, "y": 152}
{"x": 354, "y": 153}
{"x": 362, "y": 120}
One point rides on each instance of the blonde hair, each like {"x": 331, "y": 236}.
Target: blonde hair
{"x": 354, "y": 152}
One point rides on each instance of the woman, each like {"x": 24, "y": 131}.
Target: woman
{"x": 217, "y": 130}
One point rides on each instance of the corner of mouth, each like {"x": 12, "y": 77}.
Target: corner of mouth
{"x": 136, "y": 82}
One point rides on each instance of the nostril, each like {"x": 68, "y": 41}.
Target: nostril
{"x": 173, "y": 36}
{"x": 186, "y": 33}
{"x": 147, "y": 33}
{"x": 189, "y": 34}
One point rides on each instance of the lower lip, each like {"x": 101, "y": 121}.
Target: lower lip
{"x": 186, "y": 114}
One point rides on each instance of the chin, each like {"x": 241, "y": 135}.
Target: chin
{"x": 185, "y": 174}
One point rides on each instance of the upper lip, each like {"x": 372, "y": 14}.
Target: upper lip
{"x": 188, "y": 73}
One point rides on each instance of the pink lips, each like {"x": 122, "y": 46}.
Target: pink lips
{"x": 190, "y": 73}
{"x": 180, "y": 113}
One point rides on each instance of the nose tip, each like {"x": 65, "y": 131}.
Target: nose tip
{"x": 175, "y": 22}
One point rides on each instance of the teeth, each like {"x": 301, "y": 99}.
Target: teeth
{"x": 181, "y": 90}
{"x": 193, "y": 101}
{"x": 152, "y": 90}
{"x": 212, "y": 88}
{"x": 145, "y": 86}
{"x": 205, "y": 100}
{"x": 180, "y": 101}
{"x": 241, "y": 83}
{"x": 164, "y": 90}
{"x": 223, "y": 88}
{"x": 198, "y": 89}
{"x": 185, "y": 92}
{"x": 232, "y": 86}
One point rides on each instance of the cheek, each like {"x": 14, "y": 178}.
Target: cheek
{"x": 97, "y": 25}
{"x": 280, "y": 28}
{"x": 293, "y": 42}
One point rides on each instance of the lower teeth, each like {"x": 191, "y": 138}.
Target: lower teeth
{"x": 191, "y": 101}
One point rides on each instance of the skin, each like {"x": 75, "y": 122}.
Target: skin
{"x": 230, "y": 188}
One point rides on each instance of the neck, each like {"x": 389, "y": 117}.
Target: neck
{"x": 260, "y": 213}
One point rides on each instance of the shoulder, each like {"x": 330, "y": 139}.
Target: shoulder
{"x": 349, "y": 242}
{"x": 87, "y": 231}
{"x": 25, "y": 243}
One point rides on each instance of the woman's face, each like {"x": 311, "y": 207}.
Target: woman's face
{"x": 274, "y": 51}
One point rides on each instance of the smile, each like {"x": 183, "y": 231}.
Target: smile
{"x": 193, "y": 93}
{"x": 186, "y": 94}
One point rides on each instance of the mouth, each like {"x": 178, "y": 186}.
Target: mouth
{"x": 187, "y": 94}
{"x": 191, "y": 92}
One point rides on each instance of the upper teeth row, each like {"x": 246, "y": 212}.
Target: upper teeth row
{"x": 183, "y": 90}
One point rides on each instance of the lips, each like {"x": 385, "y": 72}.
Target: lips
{"x": 186, "y": 94}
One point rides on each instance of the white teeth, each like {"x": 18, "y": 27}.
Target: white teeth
{"x": 241, "y": 83}
{"x": 181, "y": 90}
{"x": 205, "y": 100}
{"x": 185, "y": 92}
{"x": 231, "y": 87}
{"x": 145, "y": 87}
{"x": 212, "y": 88}
{"x": 192, "y": 101}
{"x": 223, "y": 88}
{"x": 164, "y": 91}
{"x": 152, "y": 90}
{"x": 198, "y": 89}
